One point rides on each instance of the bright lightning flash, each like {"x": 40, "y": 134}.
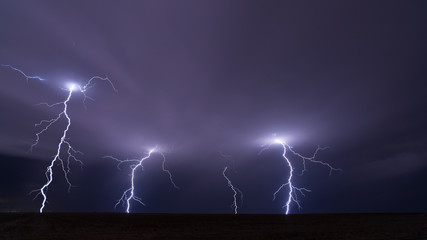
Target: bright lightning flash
{"x": 292, "y": 189}
{"x": 72, "y": 87}
{"x": 129, "y": 194}
{"x": 64, "y": 145}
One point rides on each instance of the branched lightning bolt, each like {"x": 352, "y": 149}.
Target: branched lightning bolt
{"x": 64, "y": 144}
{"x": 129, "y": 194}
{"x": 292, "y": 189}
{"x": 235, "y": 191}
{"x": 22, "y": 72}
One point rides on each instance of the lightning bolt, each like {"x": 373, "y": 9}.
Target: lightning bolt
{"x": 63, "y": 141}
{"x": 64, "y": 144}
{"x": 129, "y": 194}
{"x": 235, "y": 191}
{"x": 27, "y": 77}
{"x": 293, "y": 191}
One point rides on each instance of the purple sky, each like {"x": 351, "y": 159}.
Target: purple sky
{"x": 199, "y": 77}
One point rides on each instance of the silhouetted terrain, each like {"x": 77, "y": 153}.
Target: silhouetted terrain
{"x": 194, "y": 226}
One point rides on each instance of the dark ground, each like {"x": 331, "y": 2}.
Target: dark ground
{"x": 187, "y": 226}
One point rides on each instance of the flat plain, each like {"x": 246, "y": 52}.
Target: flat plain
{"x": 82, "y": 226}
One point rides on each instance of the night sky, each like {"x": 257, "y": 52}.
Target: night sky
{"x": 200, "y": 78}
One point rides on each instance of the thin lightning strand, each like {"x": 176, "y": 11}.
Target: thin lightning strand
{"x": 129, "y": 194}
{"x": 167, "y": 171}
{"x": 293, "y": 190}
{"x": 22, "y": 72}
{"x": 90, "y": 85}
{"x": 235, "y": 191}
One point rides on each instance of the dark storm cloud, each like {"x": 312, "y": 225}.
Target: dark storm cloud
{"x": 208, "y": 76}
{"x": 401, "y": 164}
